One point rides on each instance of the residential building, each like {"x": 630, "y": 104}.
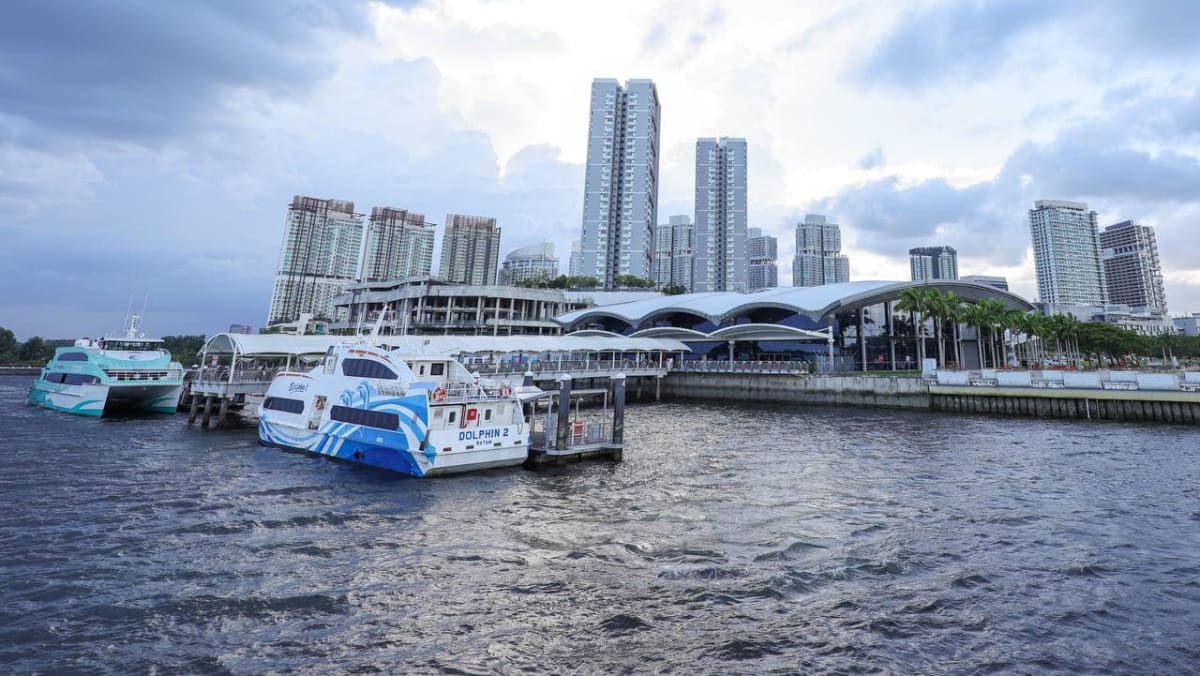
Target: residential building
{"x": 575, "y": 264}
{"x": 434, "y": 307}
{"x": 1132, "y": 271}
{"x": 399, "y": 245}
{"x": 933, "y": 262}
{"x": 470, "y": 250}
{"x": 1066, "y": 254}
{"x": 620, "y": 203}
{"x": 762, "y": 251}
{"x": 674, "y": 247}
{"x": 319, "y": 256}
{"x": 239, "y": 328}
{"x": 531, "y": 263}
{"x": 990, "y": 280}
{"x": 720, "y": 253}
{"x": 819, "y": 259}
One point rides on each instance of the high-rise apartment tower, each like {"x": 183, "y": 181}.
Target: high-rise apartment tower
{"x": 762, "y": 251}
{"x": 818, "y": 258}
{"x": 322, "y": 241}
{"x": 1131, "y": 267}
{"x": 399, "y": 245}
{"x": 470, "y": 250}
{"x": 933, "y": 262}
{"x": 674, "y": 243}
{"x": 1066, "y": 254}
{"x": 720, "y": 215}
{"x": 620, "y": 202}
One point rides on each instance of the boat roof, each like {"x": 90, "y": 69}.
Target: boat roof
{"x": 415, "y": 347}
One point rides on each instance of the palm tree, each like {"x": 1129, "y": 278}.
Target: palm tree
{"x": 936, "y": 306}
{"x": 915, "y": 301}
{"x": 976, "y": 316}
{"x": 994, "y": 311}
{"x": 952, "y": 307}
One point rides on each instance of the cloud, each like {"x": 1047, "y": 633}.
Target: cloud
{"x": 967, "y": 40}
{"x": 142, "y": 71}
{"x": 873, "y": 159}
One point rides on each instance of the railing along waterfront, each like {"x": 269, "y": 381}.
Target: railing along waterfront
{"x": 1187, "y": 381}
{"x": 564, "y": 366}
{"x": 821, "y": 365}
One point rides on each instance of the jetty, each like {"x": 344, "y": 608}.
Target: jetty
{"x": 565, "y": 434}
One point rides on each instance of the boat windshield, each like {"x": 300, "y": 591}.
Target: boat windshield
{"x": 131, "y": 345}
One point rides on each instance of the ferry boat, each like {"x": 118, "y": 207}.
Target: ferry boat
{"x": 420, "y": 415}
{"x": 109, "y": 375}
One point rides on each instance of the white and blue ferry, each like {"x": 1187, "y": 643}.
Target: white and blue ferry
{"x": 420, "y": 415}
{"x": 127, "y": 374}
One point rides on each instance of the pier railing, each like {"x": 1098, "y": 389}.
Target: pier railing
{"x": 1188, "y": 381}
{"x": 820, "y": 365}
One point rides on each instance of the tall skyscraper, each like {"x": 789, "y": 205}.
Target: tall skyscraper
{"x": 674, "y": 243}
{"x": 470, "y": 250}
{"x": 1131, "y": 266}
{"x": 529, "y": 263}
{"x": 819, "y": 259}
{"x": 762, "y": 252}
{"x": 319, "y": 256}
{"x": 620, "y": 202}
{"x": 399, "y": 245}
{"x": 933, "y": 262}
{"x": 720, "y": 215}
{"x": 1066, "y": 254}
{"x": 575, "y": 264}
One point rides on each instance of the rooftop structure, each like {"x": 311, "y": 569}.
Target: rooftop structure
{"x": 990, "y": 280}
{"x": 429, "y": 306}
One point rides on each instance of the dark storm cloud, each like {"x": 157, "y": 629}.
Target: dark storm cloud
{"x": 968, "y": 39}
{"x": 143, "y": 70}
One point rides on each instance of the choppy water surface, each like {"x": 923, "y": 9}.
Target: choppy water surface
{"x": 732, "y": 539}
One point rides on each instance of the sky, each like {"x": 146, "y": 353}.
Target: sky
{"x": 148, "y": 149}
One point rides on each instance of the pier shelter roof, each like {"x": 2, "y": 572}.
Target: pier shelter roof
{"x": 818, "y": 303}
{"x": 276, "y": 345}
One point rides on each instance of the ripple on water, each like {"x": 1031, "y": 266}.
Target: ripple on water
{"x": 730, "y": 540}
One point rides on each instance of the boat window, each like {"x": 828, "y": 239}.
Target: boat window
{"x": 54, "y": 377}
{"x": 422, "y": 369}
{"x": 80, "y": 379}
{"x": 284, "y": 404}
{"x": 358, "y": 416}
{"x": 365, "y": 368}
{"x": 487, "y": 414}
{"x": 437, "y": 369}
{"x": 450, "y": 418}
{"x": 72, "y": 356}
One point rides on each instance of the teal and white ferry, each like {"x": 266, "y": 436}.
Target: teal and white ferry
{"x": 131, "y": 374}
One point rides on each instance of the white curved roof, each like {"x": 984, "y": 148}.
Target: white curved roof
{"x": 815, "y": 301}
{"x": 275, "y": 345}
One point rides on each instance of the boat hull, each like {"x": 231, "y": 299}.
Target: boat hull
{"x": 365, "y": 446}
{"x": 99, "y": 400}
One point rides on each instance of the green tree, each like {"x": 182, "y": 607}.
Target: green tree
{"x": 916, "y": 301}
{"x": 35, "y": 351}
{"x": 183, "y": 349}
{"x": 674, "y": 290}
{"x": 10, "y": 348}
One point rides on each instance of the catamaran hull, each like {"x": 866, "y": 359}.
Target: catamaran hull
{"x": 99, "y": 400}
{"x": 366, "y": 447}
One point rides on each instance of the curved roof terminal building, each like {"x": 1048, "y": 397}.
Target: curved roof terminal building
{"x": 771, "y": 322}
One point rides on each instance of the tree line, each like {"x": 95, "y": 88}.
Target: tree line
{"x": 38, "y": 350}
{"x": 1030, "y": 337}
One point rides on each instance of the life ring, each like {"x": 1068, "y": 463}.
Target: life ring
{"x": 439, "y": 394}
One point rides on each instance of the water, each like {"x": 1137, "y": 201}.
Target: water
{"x": 731, "y": 540}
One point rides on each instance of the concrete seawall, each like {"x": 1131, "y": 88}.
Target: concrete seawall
{"x": 888, "y": 391}
{"x": 910, "y": 392}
